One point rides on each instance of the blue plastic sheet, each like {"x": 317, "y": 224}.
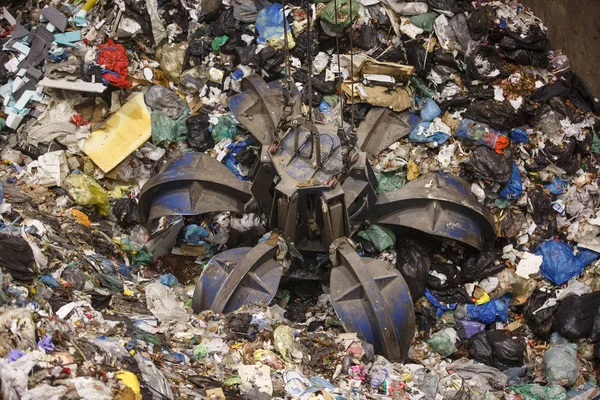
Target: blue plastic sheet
{"x": 195, "y": 234}
{"x": 491, "y": 311}
{"x": 269, "y": 23}
{"x": 430, "y": 111}
{"x": 168, "y": 280}
{"x": 514, "y": 188}
{"x": 49, "y": 280}
{"x": 441, "y": 308}
{"x": 557, "y": 186}
{"x": 519, "y": 135}
{"x": 560, "y": 264}
{"x": 418, "y": 134}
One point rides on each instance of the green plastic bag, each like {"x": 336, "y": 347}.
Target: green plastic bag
{"x": 442, "y": 344}
{"x": 142, "y": 257}
{"x": 218, "y": 42}
{"x": 167, "y": 130}
{"x": 87, "y": 192}
{"x": 537, "y": 392}
{"x": 390, "y": 181}
{"x": 381, "y": 237}
{"x": 224, "y": 129}
{"x": 424, "y": 21}
{"x": 422, "y": 86}
{"x": 339, "y": 18}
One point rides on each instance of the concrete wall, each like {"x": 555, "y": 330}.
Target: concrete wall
{"x": 574, "y": 27}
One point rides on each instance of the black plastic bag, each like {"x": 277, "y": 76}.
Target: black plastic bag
{"x": 17, "y": 257}
{"x": 479, "y": 23}
{"x": 300, "y": 51}
{"x": 543, "y": 213}
{"x": 535, "y": 40}
{"x": 480, "y": 265}
{"x": 540, "y": 322}
{"x": 485, "y": 163}
{"x": 560, "y": 105}
{"x": 360, "y": 112}
{"x": 572, "y": 87}
{"x": 455, "y": 295}
{"x": 127, "y": 212}
{"x": 226, "y": 24}
{"x": 498, "y": 115}
{"x": 271, "y": 60}
{"x": 199, "y": 137}
{"x": 563, "y": 155}
{"x": 413, "y": 260}
{"x": 318, "y": 81}
{"x": 247, "y": 156}
{"x": 497, "y": 349}
{"x": 440, "y": 57}
{"x": 197, "y": 50}
{"x": 247, "y": 10}
{"x": 416, "y": 55}
{"x": 578, "y": 317}
{"x": 456, "y": 6}
{"x": 484, "y": 64}
{"x": 425, "y": 317}
{"x": 482, "y": 92}
{"x": 367, "y": 37}
{"x": 248, "y": 55}
{"x": 451, "y": 273}
{"x": 528, "y": 57}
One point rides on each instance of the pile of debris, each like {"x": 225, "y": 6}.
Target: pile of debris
{"x": 214, "y": 198}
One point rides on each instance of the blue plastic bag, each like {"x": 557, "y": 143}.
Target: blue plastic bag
{"x": 519, "y": 135}
{"x": 557, "y": 186}
{"x": 514, "y": 188}
{"x": 430, "y": 111}
{"x": 195, "y": 234}
{"x": 491, "y": 311}
{"x": 559, "y": 264}
{"x": 169, "y": 280}
{"x": 269, "y": 23}
{"x": 441, "y": 308}
{"x": 418, "y": 134}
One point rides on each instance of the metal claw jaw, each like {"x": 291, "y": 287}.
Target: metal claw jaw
{"x": 371, "y": 298}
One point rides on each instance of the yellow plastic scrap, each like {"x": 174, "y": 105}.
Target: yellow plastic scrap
{"x": 483, "y": 299}
{"x": 82, "y": 218}
{"x": 130, "y": 380}
{"x": 87, "y": 192}
{"x": 124, "y": 132}
{"x": 413, "y": 170}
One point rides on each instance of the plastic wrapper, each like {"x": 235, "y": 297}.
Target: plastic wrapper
{"x": 269, "y": 22}
{"x": 172, "y": 57}
{"x": 535, "y": 391}
{"x": 247, "y": 10}
{"x": 194, "y": 79}
{"x": 390, "y": 181}
{"x": 163, "y": 304}
{"x": 87, "y": 191}
{"x": 482, "y": 134}
{"x": 561, "y": 364}
{"x": 560, "y": 264}
{"x": 413, "y": 260}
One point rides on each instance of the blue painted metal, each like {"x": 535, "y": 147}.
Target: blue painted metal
{"x": 192, "y": 184}
{"x": 440, "y": 205}
{"x": 238, "y": 277}
{"x": 372, "y": 298}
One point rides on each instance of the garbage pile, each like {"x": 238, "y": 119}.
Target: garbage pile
{"x": 97, "y": 289}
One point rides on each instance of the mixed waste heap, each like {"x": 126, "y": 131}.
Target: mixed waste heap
{"x": 343, "y": 199}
